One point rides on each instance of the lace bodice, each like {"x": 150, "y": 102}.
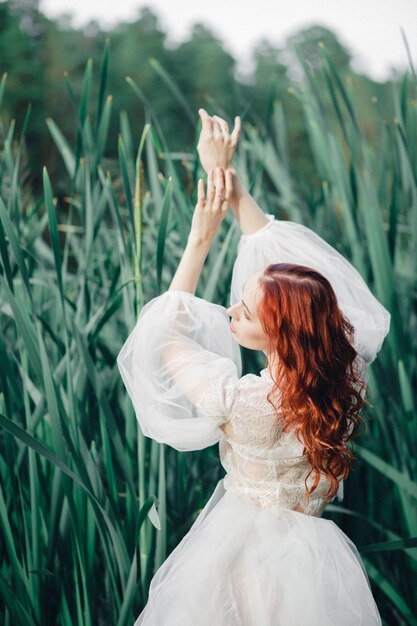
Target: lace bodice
{"x": 261, "y": 460}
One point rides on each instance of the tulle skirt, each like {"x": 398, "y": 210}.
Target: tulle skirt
{"x": 240, "y": 565}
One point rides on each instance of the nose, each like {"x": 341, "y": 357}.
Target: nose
{"x": 232, "y": 311}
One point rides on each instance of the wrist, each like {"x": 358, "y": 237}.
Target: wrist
{"x": 239, "y": 192}
{"x": 198, "y": 244}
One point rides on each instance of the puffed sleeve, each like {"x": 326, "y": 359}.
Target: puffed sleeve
{"x": 288, "y": 242}
{"x": 181, "y": 365}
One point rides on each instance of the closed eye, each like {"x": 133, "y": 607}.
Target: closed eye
{"x": 244, "y": 310}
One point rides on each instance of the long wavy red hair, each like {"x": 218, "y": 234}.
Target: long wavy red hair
{"x": 317, "y": 373}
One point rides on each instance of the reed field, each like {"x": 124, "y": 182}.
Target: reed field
{"x": 89, "y": 507}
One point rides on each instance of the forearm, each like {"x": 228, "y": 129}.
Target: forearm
{"x": 247, "y": 211}
{"x": 189, "y": 269}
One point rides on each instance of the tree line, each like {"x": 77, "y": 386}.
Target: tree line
{"x": 45, "y": 61}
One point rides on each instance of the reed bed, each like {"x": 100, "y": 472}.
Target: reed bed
{"x": 89, "y": 507}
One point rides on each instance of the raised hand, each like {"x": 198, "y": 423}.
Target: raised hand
{"x": 211, "y": 210}
{"x": 216, "y": 146}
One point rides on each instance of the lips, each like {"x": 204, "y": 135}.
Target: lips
{"x": 232, "y": 329}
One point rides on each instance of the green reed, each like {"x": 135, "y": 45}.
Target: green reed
{"x": 89, "y": 507}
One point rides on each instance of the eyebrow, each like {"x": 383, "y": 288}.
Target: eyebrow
{"x": 243, "y": 302}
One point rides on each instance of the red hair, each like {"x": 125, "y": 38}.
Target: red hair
{"x": 317, "y": 373}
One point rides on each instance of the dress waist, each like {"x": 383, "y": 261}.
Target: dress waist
{"x": 276, "y": 495}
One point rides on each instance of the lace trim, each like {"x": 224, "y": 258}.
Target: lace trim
{"x": 278, "y": 496}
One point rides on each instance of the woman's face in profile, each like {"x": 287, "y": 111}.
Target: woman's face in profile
{"x": 245, "y": 324}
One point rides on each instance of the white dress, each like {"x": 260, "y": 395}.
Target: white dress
{"x": 259, "y": 554}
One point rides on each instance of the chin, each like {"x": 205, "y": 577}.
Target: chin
{"x": 237, "y": 339}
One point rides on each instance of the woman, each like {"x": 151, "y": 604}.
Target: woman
{"x": 259, "y": 553}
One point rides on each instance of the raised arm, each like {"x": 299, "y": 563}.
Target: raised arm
{"x": 247, "y": 211}
{"x": 180, "y": 364}
{"x": 216, "y": 148}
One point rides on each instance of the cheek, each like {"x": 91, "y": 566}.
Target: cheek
{"x": 252, "y": 332}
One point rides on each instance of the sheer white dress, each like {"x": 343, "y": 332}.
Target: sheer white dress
{"x": 259, "y": 553}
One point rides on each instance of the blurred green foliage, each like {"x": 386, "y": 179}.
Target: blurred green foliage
{"x": 36, "y": 52}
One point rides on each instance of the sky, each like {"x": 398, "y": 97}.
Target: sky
{"x": 370, "y": 29}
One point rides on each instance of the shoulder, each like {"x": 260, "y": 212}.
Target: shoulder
{"x": 251, "y": 394}
{"x": 252, "y": 418}
{"x": 261, "y": 381}
{"x": 258, "y": 382}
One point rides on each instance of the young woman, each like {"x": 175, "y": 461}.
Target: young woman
{"x": 259, "y": 553}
